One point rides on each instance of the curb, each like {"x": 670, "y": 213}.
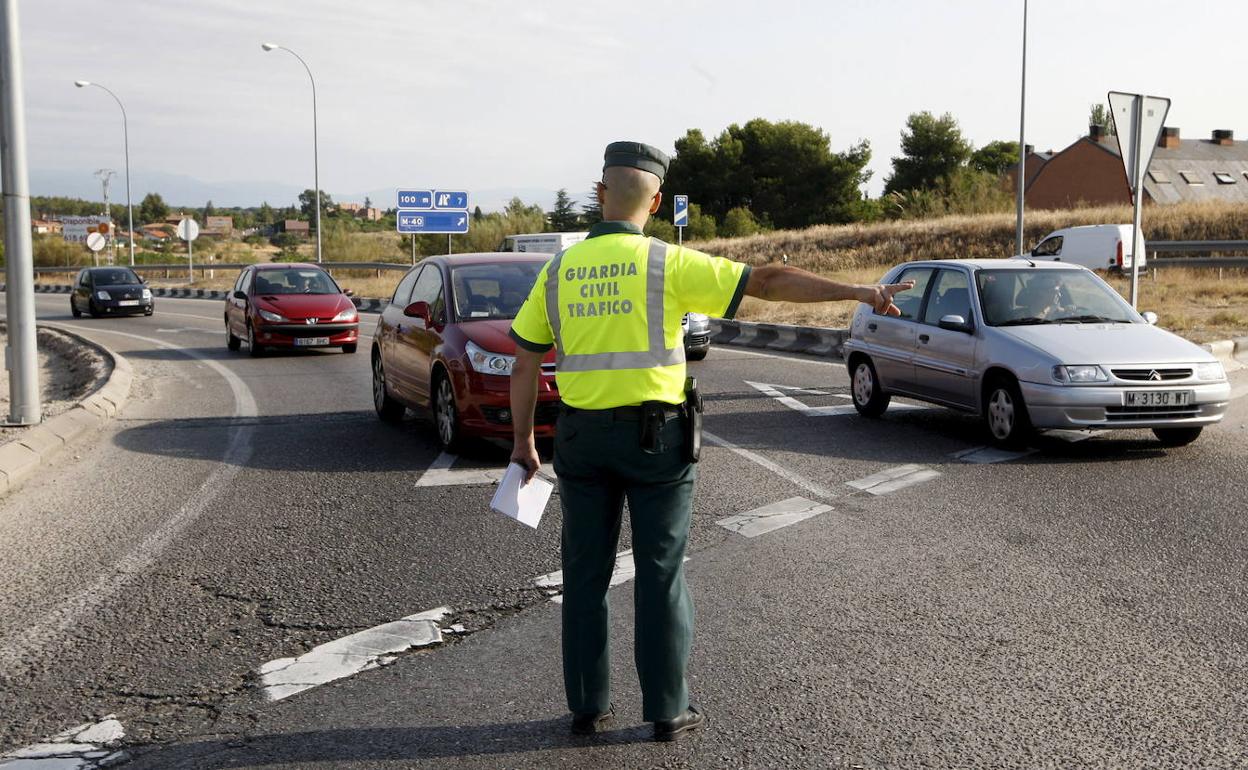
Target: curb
{"x": 366, "y": 304}
{"x": 21, "y": 457}
{"x": 810, "y": 340}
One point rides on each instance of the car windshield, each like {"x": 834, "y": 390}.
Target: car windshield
{"x": 1026, "y": 297}
{"x": 492, "y": 292}
{"x": 122, "y": 276}
{"x": 295, "y": 281}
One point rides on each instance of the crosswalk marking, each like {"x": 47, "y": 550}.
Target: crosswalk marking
{"x": 893, "y": 479}
{"x": 84, "y": 747}
{"x": 777, "y": 392}
{"x": 987, "y": 455}
{"x": 362, "y": 651}
{"x": 625, "y": 570}
{"x": 440, "y": 473}
{"x": 772, "y": 517}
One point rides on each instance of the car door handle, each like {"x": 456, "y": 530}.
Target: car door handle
{"x": 872, "y": 327}
{"x": 924, "y": 338}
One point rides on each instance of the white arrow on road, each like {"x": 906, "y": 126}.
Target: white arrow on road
{"x": 777, "y": 392}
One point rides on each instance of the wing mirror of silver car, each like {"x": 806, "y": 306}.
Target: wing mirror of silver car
{"x": 956, "y": 323}
{"x": 240, "y": 295}
{"x": 1150, "y": 317}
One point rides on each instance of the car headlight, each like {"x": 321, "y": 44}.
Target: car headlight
{"x": 346, "y": 315}
{"x": 103, "y": 295}
{"x": 147, "y": 294}
{"x": 1211, "y": 370}
{"x": 1079, "y": 374}
{"x": 486, "y": 362}
{"x": 274, "y": 317}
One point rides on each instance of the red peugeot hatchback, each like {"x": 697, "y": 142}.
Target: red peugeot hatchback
{"x": 289, "y": 306}
{"x": 442, "y": 344}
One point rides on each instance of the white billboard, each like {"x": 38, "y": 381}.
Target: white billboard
{"x": 76, "y": 229}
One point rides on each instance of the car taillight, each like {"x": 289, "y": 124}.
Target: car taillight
{"x": 1119, "y": 253}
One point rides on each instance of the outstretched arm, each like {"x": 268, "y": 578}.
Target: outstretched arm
{"x": 781, "y": 283}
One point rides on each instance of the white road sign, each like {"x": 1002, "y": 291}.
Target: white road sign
{"x": 1138, "y": 121}
{"x": 188, "y": 229}
{"x": 95, "y": 241}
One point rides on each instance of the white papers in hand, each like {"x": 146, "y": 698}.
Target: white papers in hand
{"x": 523, "y": 502}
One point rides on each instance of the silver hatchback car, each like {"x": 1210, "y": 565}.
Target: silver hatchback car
{"x": 1031, "y": 345}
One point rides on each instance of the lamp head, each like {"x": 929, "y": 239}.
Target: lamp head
{"x": 269, "y": 46}
{"x": 82, "y": 83}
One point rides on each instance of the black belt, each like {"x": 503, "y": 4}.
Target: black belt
{"x": 623, "y": 413}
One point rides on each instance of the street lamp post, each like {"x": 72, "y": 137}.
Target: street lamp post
{"x": 1022, "y": 138}
{"x": 125, "y": 126}
{"x": 316, "y": 174}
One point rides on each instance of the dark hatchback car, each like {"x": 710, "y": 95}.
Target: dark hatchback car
{"x": 289, "y": 306}
{"x": 442, "y": 344}
{"x": 104, "y": 291}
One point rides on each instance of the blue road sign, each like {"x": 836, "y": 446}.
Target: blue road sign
{"x": 445, "y": 199}
{"x": 680, "y": 210}
{"x": 432, "y": 221}
{"x": 415, "y": 199}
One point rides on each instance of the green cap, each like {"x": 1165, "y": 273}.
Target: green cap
{"x": 636, "y": 155}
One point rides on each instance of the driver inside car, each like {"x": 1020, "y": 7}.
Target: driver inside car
{"x": 1042, "y": 298}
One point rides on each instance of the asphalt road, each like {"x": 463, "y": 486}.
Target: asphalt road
{"x": 1082, "y": 605}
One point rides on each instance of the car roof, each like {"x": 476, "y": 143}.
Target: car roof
{"x": 287, "y": 266}
{"x": 488, "y": 258}
{"x": 98, "y": 268}
{"x": 1013, "y": 263}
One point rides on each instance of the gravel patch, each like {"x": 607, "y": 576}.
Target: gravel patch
{"x": 68, "y": 372}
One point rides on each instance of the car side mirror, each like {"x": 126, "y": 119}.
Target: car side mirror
{"x": 956, "y": 323}
{"x": 240, "y": 295}
{"x": 348, "y": 292}
{"x": 418, "y": 310}
{"x": 1150, "y": 317}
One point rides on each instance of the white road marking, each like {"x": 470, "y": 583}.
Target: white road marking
{"x": 623, "y": 571}
{"x": 987, "y": 455}
{"x": 893, "y": 479}
{"x": 440, "y": 474}
{"x": 776, "y": 392}
{"x": 29, "y": 640}
{"x": 1074, "y": 436}
{"x": 84, "y": 747}
{"x": 793, "y": 476}
{"x": 362, "y": 651}
{"x": 772, "y": 517}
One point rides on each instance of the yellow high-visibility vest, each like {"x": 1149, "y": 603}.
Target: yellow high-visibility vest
{"x": 612, "y": 305}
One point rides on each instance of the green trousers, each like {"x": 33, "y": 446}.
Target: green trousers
{"x": 600, "y": 465}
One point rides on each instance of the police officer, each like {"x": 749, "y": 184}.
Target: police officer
{"x": 611, "y": 306}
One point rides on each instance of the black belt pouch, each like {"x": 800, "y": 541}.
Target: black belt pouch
{"x": 693, "y": 420}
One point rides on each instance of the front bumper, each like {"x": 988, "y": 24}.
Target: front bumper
{"x": 115, "y": 306}
{"x": 485, "y": 404}
{"x": 293, "y": 335}
{"x": 698, "y": 341}
{"x": 1072, "y": 406}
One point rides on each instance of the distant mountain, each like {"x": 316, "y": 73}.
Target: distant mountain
{"x": 181, "y": 191}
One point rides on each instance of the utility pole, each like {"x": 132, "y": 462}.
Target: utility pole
{"x": 20, "y": 356}
{"x": 1022, "y": 140}
{"x": 106, "y": 175}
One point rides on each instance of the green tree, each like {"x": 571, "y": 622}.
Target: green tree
{"x": 591, "y": 210}
{"x": 265, "y": 215}
{"x": 307, "y": 203}
{"x": 477, "y": 214}
{"x": 563, "y": 219}
{"x": 209, "y": 211}
{"x": 1099, "y": 115}
{"x": 368, "y": 202}
{"x": 701, "y": 224}
{"x": 152, "y": 209}
{"x": 738, "y": 222}
{"x": 785, "y": 173}
{"x": 995, "y": 157}
{"x": 661, "y": 229}
{"x": 932, "y": 149}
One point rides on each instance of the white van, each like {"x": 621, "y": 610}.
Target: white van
{"x": 541, "y": 243}
{"x": 1096, "y": 247}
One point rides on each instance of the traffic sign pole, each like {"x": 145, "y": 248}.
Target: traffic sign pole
{"x": 1138, "y": 130}
{"x": 1137, "y": 182}
{"x": 21, "y": 358}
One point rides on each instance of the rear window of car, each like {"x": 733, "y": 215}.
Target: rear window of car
{"x": 492, "y": 292}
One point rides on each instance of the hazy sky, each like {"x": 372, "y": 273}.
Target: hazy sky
{"x": 524, "y": 95}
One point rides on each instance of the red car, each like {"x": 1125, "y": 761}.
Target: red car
{"x": 442, "y": 344}
{"x": 289, "y": 306}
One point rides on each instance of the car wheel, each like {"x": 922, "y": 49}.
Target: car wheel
{"x": 232, "y": 342}
{"x": 696, "y": 355}
{"x": 350, "y": 347}
{"x": 149, "y": 311}
{"x": 387, "y": 408}
{"x": 91, "y": 309}
{"x": 446, "y": 416}
{"x": 869, "y": 399}
{"x": 252, "y": 348}
{"x": 1005, "y": 414}
{"x": 73, "y": 310}
{"x": 1177, "y": 436}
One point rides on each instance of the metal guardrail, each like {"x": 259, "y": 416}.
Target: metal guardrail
{"x": 1196, "y": 247}
{"x": 200, "y": 266}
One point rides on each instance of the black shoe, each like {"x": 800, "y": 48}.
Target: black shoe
{"x": 589, "y": 724}
{"x": 668, "y": 729}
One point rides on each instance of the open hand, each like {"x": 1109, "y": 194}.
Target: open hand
{"x": 882, "y": 296}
